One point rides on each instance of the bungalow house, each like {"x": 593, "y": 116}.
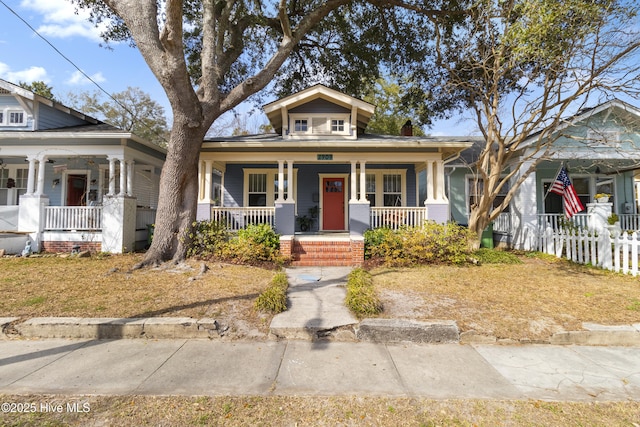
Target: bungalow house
{"x": 321, "y": 181}
{"x": 598, "y": 146}
{"x": 69, "y": 181}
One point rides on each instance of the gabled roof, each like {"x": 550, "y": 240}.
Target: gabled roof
{"x": 12, "y": 89}
{"x": 273, "y": 109}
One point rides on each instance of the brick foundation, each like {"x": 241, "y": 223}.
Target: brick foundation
{"x": 66, "y": 246}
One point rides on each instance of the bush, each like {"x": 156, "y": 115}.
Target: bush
{"x": 361, "y": 297}
{"x": 274, "y": 298}
{"x": 208, "y": 238}
{"x": 433, "y": 243}
{"x": 253, "y": 243}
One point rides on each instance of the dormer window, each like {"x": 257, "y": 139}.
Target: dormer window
{"x": 300, "y": 125}
{"x": 320, "y": 124}
{"x": 15, "y": 118}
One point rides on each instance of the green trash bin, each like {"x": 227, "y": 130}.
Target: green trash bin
{"x": 486, "y": 241}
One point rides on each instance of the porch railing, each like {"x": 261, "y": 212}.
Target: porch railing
{"x": 396, "y": 217}
{"x": 72, "y": 218}
{"x": 238, "y": 218}
{"x": 557, "y": 221}
{"x": 502, "y": 224}
{"x": 630, "y": 222}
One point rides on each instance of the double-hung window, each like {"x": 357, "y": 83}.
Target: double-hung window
{"x": 384, "y": 187}
{"x": 257, "y": 193}
{"x": 475, "y": 189}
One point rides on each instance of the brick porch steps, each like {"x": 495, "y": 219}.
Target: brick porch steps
{"x": 323, "y": 250}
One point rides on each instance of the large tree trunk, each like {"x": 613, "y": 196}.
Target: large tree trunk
{"x": 477, "y": 224}
{"x": 177, "y": 204}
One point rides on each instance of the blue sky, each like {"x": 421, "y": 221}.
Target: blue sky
{"x": 26, "y": 57}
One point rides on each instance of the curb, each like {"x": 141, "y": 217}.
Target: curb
{"x": 374, "y": 330}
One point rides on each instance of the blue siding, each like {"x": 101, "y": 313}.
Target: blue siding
{"x": 320, "y": 105}
{"x": 50, "y": 118}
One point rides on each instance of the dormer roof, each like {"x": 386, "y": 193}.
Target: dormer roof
{"x": 363, "y": 109}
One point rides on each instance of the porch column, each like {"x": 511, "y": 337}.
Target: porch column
{"x": 130, "y": 177}
{"x": 430, "y": 179}
{"x": 40, "y": 188}
{"x": 354, "y": 182}
{"x": 524, "y": 211}
{"x": 363, "y": 182}
{"x": 280, "y": 197}
{"x": 208, "y": 170}
{"x": 112, "y": 176}
{"x": 290, "y": 189}
{"x": 123, "y": 177}
{"x": 440, "y": 193}
{"x": 32, "y": 175}
{"x": 205, "y": 170}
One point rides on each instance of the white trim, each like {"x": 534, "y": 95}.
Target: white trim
{"x": 345, "y": 192}
{"x": 379, "y": 178}
{"x": 314, "y": 130}
{"x": 272, "y": 177}
{"x": 64, "y": 183}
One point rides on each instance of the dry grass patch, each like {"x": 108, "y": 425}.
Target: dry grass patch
{"x": 106, "y": 287}
{"x": 319, "y": 410}
{"x": 531, "y": 300}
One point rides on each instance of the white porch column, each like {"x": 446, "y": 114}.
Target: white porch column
{"x": 440, "y": 193}
{"x": 130, "y": 177}
{"x": 363, "y": 182}
{"x": 112, "y": 176}
{"x": 208, "y": 170}
{"x": 40, "y": 189}
{"x": 430, "y": 181}
{"x": 123, "y": 178}
{"x": 280, "y": 197}
{"x": 32, "y": 175}
{"x": 290, "y": 191}
{"x": 354, "y": 182}
{"x": 524, "y": 211}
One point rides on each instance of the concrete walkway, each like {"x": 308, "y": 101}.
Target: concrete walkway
{"x": 206, "y": 367}
{"x": 316, "y": 307}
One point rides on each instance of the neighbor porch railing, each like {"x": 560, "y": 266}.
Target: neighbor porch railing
{"x": 629, "y": 222}
{"x": 396, "y": 217}
{"x": 238, "y": 218}
{"x": 558, "y": 221}
{"x": 59, "y": 218}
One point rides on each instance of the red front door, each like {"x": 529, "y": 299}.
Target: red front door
{"x": 333, "y": 204}
{"x": 76, "y": 190}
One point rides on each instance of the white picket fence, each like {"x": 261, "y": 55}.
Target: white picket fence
{"x": 618, "y": 253}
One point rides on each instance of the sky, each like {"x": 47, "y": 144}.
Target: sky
{"x": 26, "y": 57}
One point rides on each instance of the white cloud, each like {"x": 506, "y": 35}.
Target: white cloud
{"x": 78, "y": 79}
{"x": 60, "y": 19}
{"x": 28, "y": 75}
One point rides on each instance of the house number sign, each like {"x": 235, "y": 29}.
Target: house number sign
{"x": 325, "y": 156}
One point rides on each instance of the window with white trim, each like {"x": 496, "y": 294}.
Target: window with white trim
{"x": 300, "y": 126}
{"x": 337, "y": 125}
{"x": 385, "y": 187}
{"x": 320, "y": 124}
{"x": 475, "y": 188}
{"x": 261, "y": 186}
{"x": 604, "y": 136}
{"x": 553, "y": 201}
{"x": 16, "y": 118}
{"x": 4, "y": 191}
{"x": 1, "y": 117}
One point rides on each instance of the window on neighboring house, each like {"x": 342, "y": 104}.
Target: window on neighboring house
{"x": 16, "y": 117}
{"x": 475, "y": 188}
{"x": 1, "y": 117}
{"x": 300, "y": 125}
{"x": 392, "y": 189}
{"x": 604, "y": 136}
{"x": 337, "y": 125}
{"x": 553, "y": 201}
{"x": 257, "y": 195}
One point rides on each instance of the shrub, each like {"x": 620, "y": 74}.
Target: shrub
{"x": 208, "y": 238}
{"x": 432, "y": 243}
{"x": 361, "y": 296}
{"x": 255, "y": 243}
{"x": 274, "y": 298}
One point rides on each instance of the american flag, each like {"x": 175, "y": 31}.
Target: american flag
{"x": 562, "y": 186}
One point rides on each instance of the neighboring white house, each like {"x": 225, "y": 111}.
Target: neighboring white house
{"x": 69, "y": 181}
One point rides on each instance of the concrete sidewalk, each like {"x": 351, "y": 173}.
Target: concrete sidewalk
{"x": 206, "y": 367}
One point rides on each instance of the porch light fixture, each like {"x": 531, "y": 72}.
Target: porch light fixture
{"x": 55, "y": 182}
